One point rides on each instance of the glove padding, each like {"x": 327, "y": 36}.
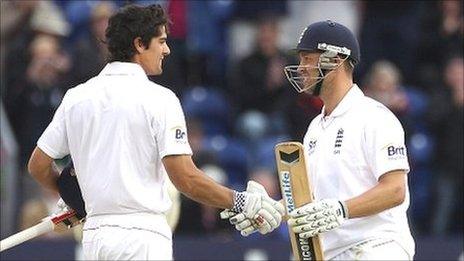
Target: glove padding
{"x": 261, "y": 213}
{"x": 243, "y": 224}
{"x": 317, "y": 217}
{"x": 70, "y": 192}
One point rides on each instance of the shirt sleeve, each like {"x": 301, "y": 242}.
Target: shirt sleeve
{"x": 385, "y": 142}
{"x": 171, "y": 136}
{"x": 54, "y": 140}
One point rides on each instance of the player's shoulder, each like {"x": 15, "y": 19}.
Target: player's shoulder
{"x": 375, "y": 112}
{"x": 156, "y": 92}
{"x": 76, "y": 92}
{"x": 159, "y": 89}
{"x": 313, "y": 124}
{"x": 315, "y": 120}
{"x": 80, "y": 91}
{"x": 373, "y": 108}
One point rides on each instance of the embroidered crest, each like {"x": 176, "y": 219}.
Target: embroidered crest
{"x": 338, "y": 141}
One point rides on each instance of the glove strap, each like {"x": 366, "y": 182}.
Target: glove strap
{"x": 344, "y": 209}
{"x": 239, "y": 201}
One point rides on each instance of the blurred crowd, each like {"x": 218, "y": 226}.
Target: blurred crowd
{"x": 226, "y": 66}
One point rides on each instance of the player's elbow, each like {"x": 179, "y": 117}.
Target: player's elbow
{"x": 398, "y": 195}
{"x": 183, "y": 185}
{"x": 180, "y": 170}
{"x": 394, "y": 187}
{"x": 39, "y": 164}
{"x": 33, "y": 168}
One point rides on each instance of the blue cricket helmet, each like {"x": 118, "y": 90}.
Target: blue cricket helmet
{"x": 329, "y": 35}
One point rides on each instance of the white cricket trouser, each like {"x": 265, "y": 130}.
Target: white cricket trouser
{"x": 375, "y": 249}
{"x": 127, "y": 237}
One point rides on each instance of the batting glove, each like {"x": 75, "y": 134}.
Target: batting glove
{"x": 318, "y": 217}
{"x": 254, "y": 211}
{"x": 244, "y": 225}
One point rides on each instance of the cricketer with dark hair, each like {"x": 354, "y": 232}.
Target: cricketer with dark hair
{"x": 125, "y": 135}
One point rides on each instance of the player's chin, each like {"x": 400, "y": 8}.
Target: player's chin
{"x": 160, "y": 68}
{"x": 309, "y": 88}
{"x": 156, "y": 71}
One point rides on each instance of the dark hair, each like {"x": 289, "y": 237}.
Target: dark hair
{"x": 130, "y": 22}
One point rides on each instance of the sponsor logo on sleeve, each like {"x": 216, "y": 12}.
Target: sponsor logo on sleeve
{"x": 395, "y": 152}
{"x": 180, "y": 134}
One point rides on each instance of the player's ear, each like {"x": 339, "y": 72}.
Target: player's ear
{"x": 138, "y": 45}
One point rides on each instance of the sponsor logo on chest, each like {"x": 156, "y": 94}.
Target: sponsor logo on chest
{"x": 311, "y": 146}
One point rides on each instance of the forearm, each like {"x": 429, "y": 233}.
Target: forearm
{"x": 43, "y": 169}
{"x": 47, "y": 177}
{"x": 383, "y": 196}
{"x": 204, "y": 190}
{"x": 195, "y": 184}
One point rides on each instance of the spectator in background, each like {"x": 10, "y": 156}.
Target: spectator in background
{"x": 33, "y": 98}
{"x": 441, "y": 36}
{"x": 90, "y": 52}
{"x": 32, "y": 76}
{"x": 383, "y": 85}
{"x": 34, "y": 18}
{"x": 242, "y": 26}
{"x": 446, "y": 115}
{"x": 14, "y": 20}
{"x": 206, "y": 41}
{"x": 258, "y": 82}
{"x": 390, "y": 31}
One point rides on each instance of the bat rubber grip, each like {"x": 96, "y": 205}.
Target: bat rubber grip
{"x": 27, "y": 234}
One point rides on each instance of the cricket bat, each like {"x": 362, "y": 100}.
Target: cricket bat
{"x": 296, "y": 192}
{"x": 57, "y": 222}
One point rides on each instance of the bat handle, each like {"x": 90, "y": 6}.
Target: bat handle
{"x": 27, "y": 234}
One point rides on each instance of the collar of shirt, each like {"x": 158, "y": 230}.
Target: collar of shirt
{"x": 351, "y": 98}
{"x": 123, "y": 69}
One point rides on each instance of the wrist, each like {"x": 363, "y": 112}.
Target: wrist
{"x": 239, "y": 201}
{"x": 344, "y": 209}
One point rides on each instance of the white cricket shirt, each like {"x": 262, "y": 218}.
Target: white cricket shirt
{"x": 347, "y": 153}
{"x": 117, "y": 127}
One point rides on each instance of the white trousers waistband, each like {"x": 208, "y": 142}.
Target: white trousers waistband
{"x": 151, "y": 222}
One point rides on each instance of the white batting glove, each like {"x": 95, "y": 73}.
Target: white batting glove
{"x": 254, "y": 211}
{"x": 244, "y": 225}
{"x": 317, "y": 217}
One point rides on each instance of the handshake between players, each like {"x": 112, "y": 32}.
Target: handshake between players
{"x": 259, "y": 212}
{"x": 253, "y": 209}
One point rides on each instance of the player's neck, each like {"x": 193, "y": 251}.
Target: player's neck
{"x": 333, "y": 93}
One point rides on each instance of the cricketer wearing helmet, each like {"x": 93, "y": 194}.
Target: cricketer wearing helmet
{"x": 357, "y": 159}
